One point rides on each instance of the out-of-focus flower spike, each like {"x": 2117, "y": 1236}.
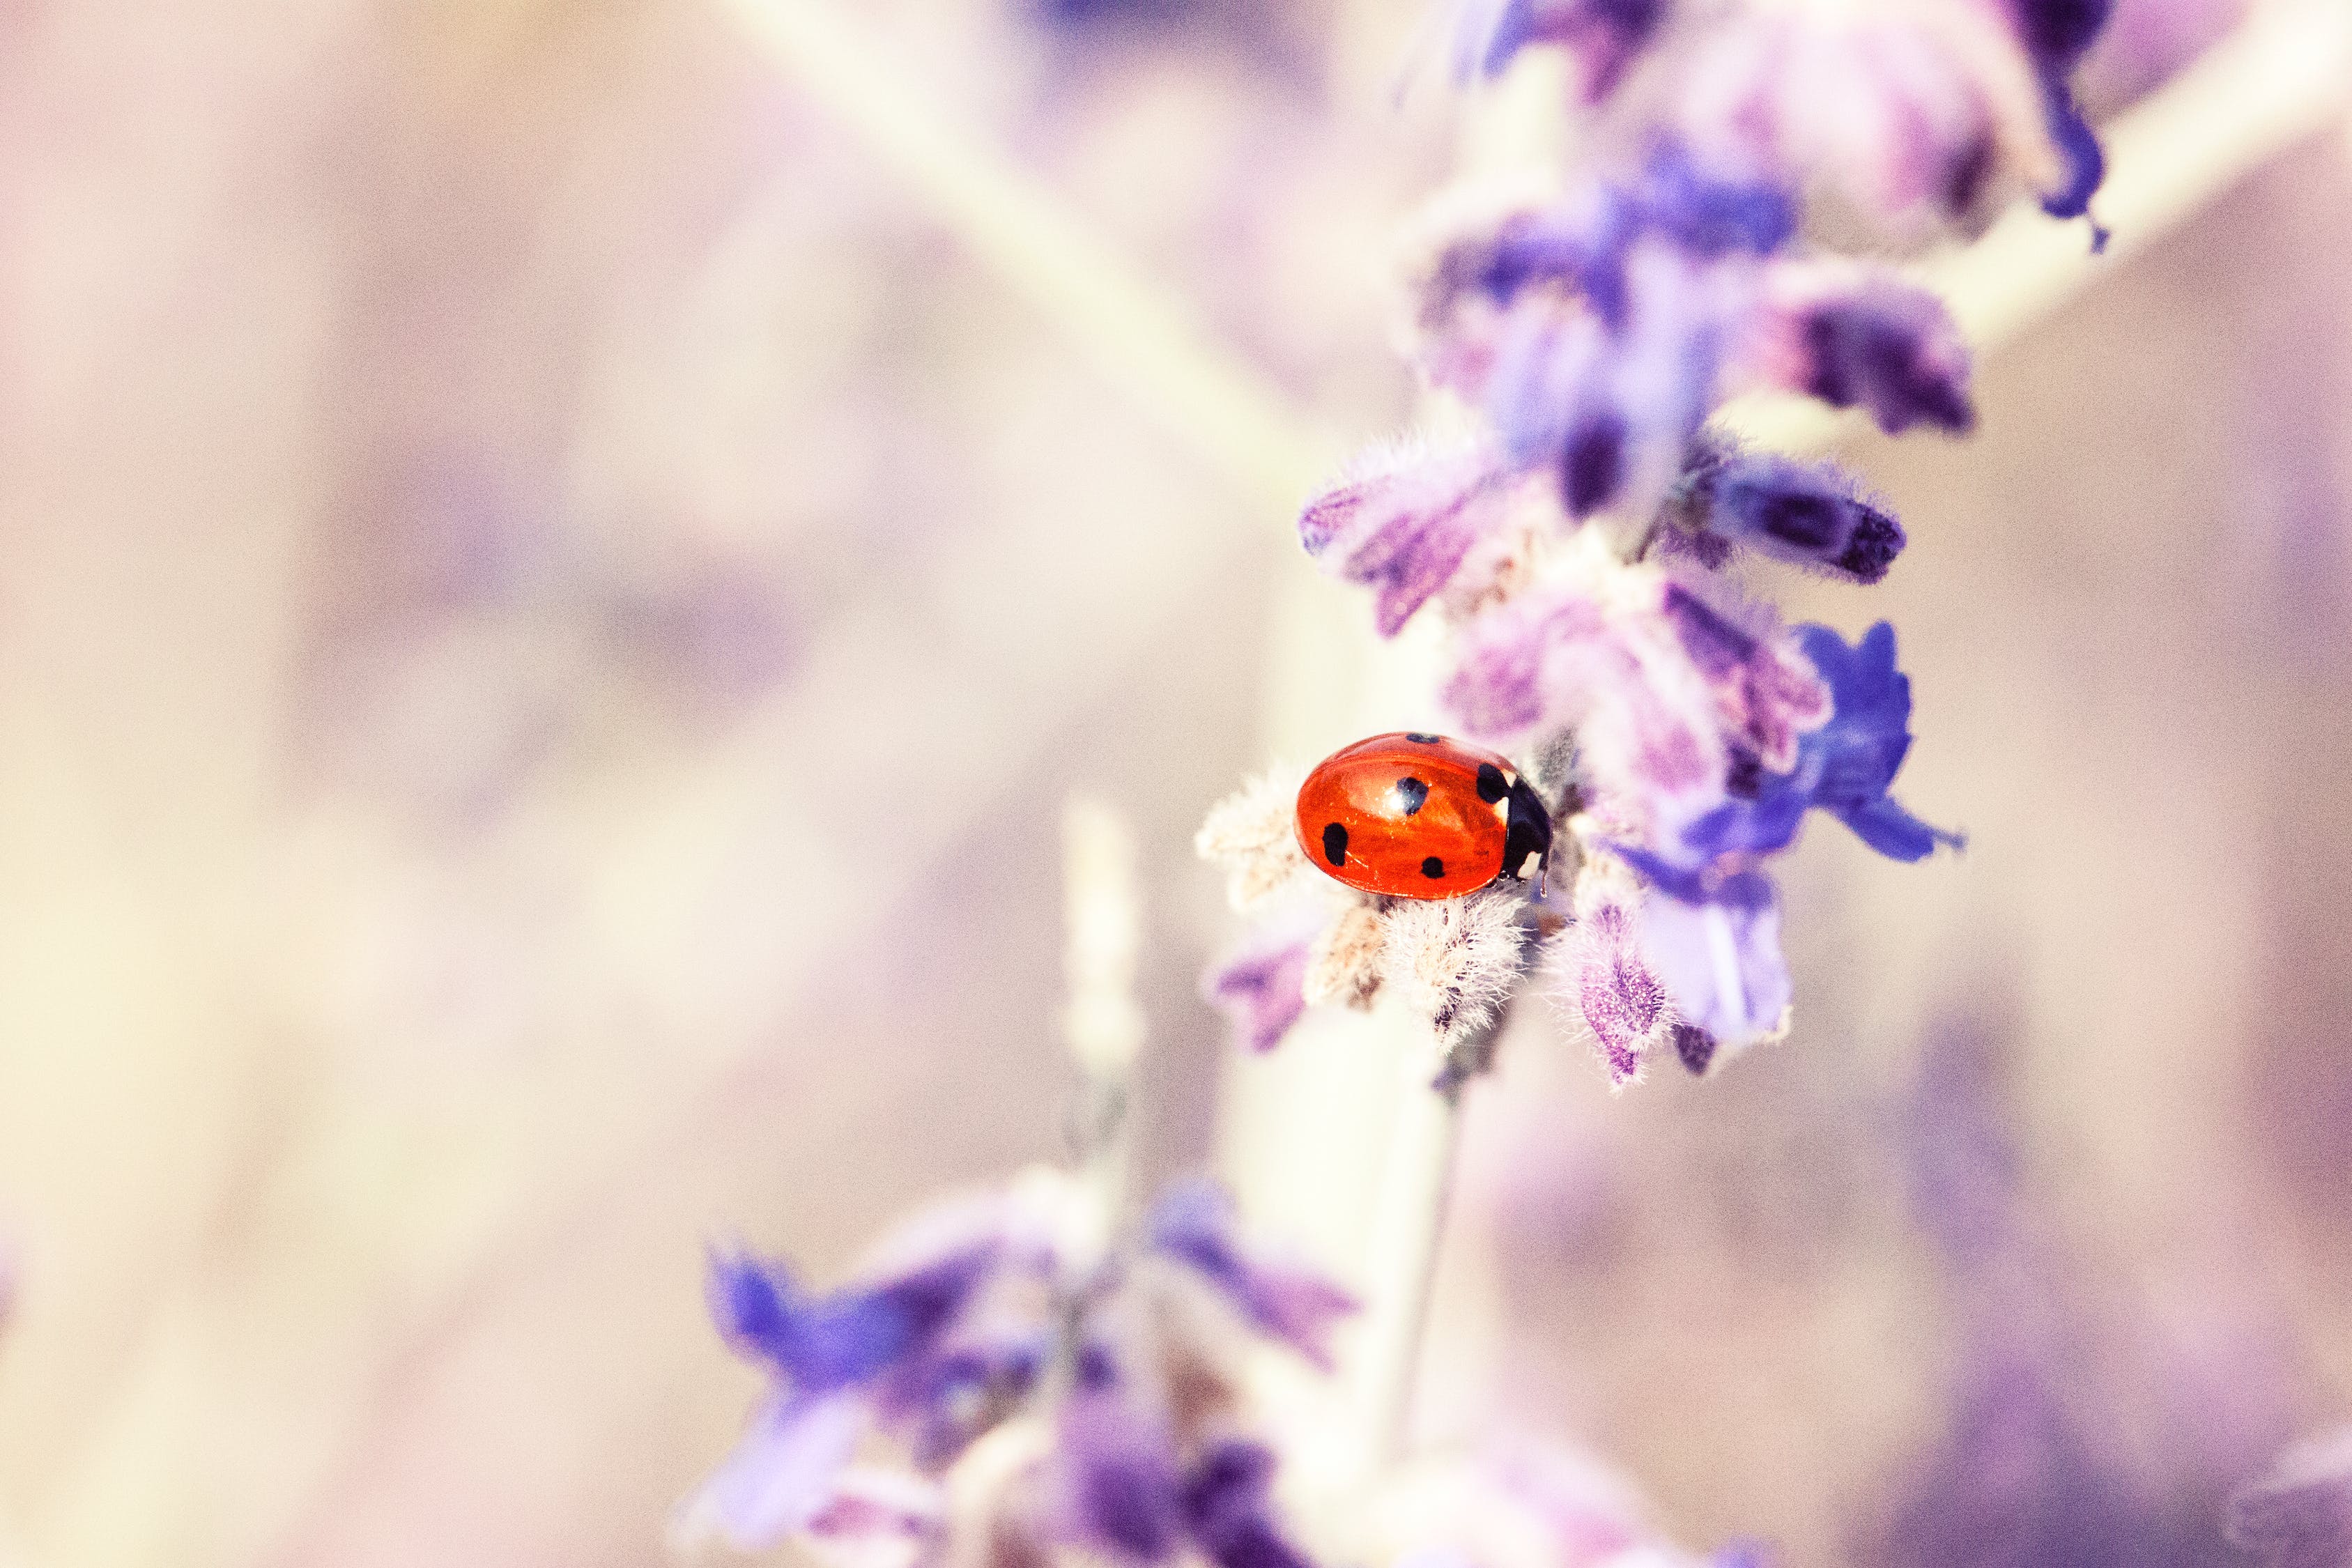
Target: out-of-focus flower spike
{"x": 1602, "y": 37}
{"x": 1454, "y": 961}
{"x": 1859, "y": 336}
{"x": 1403, "y": 520}
{"x": 1195, "y": 1223}
{"x": 2299, "y": 1515}
{"x": 1253, "y": 836}
{"x": 1919, "y": 115}
{"x": 1261, "y": 990}
{"x": 1808, "y": 514}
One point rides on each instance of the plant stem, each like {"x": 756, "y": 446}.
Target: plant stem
{"x": 1101, "y": 1022}
{"x": 1415, "y": 1188}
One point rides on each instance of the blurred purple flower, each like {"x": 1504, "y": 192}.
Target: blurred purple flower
{"x": 1590, "y": 331}
{"x": 1602, "y": 37}
{"x": 983, "y": 1315}
{"x": 1261, "y": 990}
{"x": 1404, "y": 524}
{"x": 1859, "y": 336}
{"x": 1195, "y": 1223}
{"x": 2056, "y": 35}
{"x": 1228, "y": 1509}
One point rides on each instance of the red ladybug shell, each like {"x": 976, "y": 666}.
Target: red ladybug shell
{"x": 1419, "y": 816}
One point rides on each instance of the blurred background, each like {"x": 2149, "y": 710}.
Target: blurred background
{"x": 558, "y": 562}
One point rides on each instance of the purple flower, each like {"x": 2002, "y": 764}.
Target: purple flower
{"x": 781, "y": 1474}
{"x": 850, "y": 1338}
{"x": 1844, "y": 767}
{"x": 1720, "y": 958}
{"x": 1121, "y": 1476}
{"x": 1229, "y": 1512}
{"x": 1602, "y": 36}
{"x": 1605, "y": 978}
{"x": 1861, "y": 337}
{"x": 1766, "y": 695}
{"x": 1404, "y": 525}
{"x": 1194, "y": 1223}
{"x": 1811, "y": 514}
{"x": 1591, "y": 332}
{"x": 2056, "y": 35}
{"x": 1911, "y": 114}
{"x": 1262, "y": 991}
{"x": 951, "y": 1348}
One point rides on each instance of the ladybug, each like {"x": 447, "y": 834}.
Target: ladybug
{"x": 1419, "y": 817}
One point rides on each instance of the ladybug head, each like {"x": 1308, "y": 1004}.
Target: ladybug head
{"x": 1530, "y": 835}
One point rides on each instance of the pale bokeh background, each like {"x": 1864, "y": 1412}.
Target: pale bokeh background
{"x": 550, "y": 598}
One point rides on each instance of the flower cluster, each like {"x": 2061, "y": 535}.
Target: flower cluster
{"x": 1051, "y": 1394}
{"x": 1918, "y": 115}
{"x": 1584, "y": 547}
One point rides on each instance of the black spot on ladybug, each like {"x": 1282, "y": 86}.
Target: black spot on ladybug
{"x": 1492, "y": 786}
{"x": 1418, "y": 738}
{"x": 1335, "y": 844}
{"x": 1432, "y": 867}
{"x": 1413, "y": 792}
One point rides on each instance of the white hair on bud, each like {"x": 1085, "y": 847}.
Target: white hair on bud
{"x": 1343, "y": 964}
{"x": 1250, "y": 834}
{"x": 1452, "y": 960}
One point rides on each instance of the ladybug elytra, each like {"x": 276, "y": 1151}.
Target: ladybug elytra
{"x": 1414, "y": 815}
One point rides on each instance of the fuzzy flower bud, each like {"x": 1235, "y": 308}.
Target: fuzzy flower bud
{"x": 1600, "y": 977}
{"x": 1808, "y": 514}
{"x": 1251, "y": 834}
{"x": 1454, "y": 961}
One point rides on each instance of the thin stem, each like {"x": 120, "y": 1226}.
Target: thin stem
{"x": 1415, "y": 1188}
{"x": 1102, "y": 1023}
